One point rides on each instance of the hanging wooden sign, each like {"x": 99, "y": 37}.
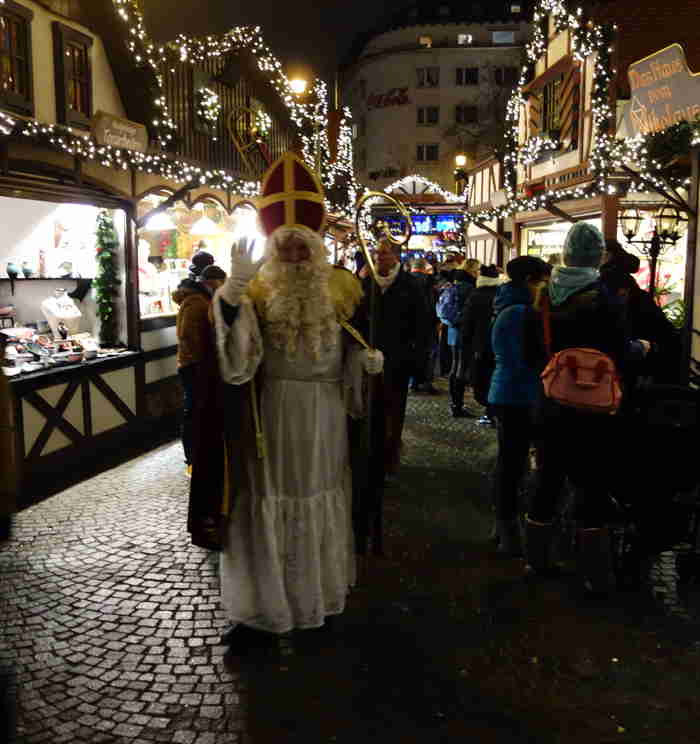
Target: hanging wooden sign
{"x": 664, "y": 92}
{"x": 117, "y": 132}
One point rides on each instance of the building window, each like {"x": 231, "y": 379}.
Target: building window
{"x": 503, "y": 37}
{"x": 551, "y": 106}
{"x": 506, "y": 76}
{"x": 466, "y": 114}
{"x": 73, "y": 76}
{"x": 427, "y": 153}
{"x": 464, "y": 39}
{"x": 516, "y": 8}
{"x": 427, "y": 77}
{"x": 428, "y": 115}
{"x": 467, "y": 76}
{"x": 16, "y": 82}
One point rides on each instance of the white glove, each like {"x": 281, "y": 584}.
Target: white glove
{"x": 372, "y": 361}
{"x": 243, "y": 269}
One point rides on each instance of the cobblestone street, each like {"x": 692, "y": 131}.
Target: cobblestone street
{"x": 112, "y": 622}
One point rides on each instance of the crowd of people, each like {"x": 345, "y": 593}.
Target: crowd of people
{"x": 277, "y": 372}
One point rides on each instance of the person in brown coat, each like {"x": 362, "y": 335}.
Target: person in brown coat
{"x": 194, "y": 330}
{"x": 8, "y": 506}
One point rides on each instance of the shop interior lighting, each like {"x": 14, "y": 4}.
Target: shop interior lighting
{"x": 160, "y": 222}
{"x": 205, "y": 226}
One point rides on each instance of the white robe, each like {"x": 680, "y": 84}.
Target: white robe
{"x": 289, "y": 559}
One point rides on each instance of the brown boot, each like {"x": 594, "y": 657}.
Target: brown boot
{"x": 595, "y": 561}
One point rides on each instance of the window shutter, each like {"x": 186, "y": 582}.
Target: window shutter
{"x": 569, "y": 107}
{"x": 534, "y": 115}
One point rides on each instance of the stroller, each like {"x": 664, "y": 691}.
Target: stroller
{"x": 655, "y": 491}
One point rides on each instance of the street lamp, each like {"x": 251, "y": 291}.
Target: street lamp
{"x": 460, "y": 174}
{"x": 669, "y": 225}
{"x": 298, "y": 86}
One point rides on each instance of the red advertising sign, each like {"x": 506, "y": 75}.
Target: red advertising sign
{"x": 393, "y": 97}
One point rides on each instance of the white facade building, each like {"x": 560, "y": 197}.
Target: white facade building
{"x": 434, "y": 84}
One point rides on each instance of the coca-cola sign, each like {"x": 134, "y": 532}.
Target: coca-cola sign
{"x": 393, "y": 97}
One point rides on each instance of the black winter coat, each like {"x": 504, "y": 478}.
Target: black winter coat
{"x": 403, "y": 324}
{"x": 475, "y": 339}
{"x": 593, "y": 319}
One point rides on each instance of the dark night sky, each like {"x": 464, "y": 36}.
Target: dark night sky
{"x": 312, "y": 32}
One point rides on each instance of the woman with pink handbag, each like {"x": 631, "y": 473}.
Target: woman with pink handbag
{"x": 584, "y": 326}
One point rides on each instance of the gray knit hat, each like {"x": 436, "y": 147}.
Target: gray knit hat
{"x": 583, "y": 246}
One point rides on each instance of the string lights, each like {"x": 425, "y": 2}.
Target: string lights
{"x": 310, "y": 119}
{"x": 431, "y": 187}
{"x": 209, "y": 108}
{"x": 589, "y": 41}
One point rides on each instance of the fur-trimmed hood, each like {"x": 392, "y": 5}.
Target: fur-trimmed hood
{"x": 488, "y": 281}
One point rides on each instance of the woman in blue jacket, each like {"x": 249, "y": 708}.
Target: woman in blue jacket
{"x": 520, "y": 356}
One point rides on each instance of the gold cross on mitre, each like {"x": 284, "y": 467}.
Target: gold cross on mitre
{"x": 292, "y": 196}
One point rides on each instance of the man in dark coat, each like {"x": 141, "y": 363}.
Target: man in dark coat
{"x": 401, "y": 322}
{"x": 475, "y": 335}
{"x": 643, "y": 318}
{"x": 423, "y": 380}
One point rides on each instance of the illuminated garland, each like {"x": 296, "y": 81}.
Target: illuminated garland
{"x": 587, "y": 40}
{"x": 209, "y": 108}
{"x": 535, "y": 148}
{"x": 310, "y": 116}
{"x": 433, "y": 187}
{"x": 61, "y": 138}
{"x": 310, "y": 119}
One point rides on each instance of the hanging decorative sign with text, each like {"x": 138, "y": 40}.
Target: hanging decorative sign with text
{"x": 117, "y": 132}
{"x": 393, "y": 97}
{"x": 664, "y": 92}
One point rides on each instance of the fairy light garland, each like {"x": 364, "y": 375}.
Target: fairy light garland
{"x": 535, "y": 148}
{"x": 433, "y": 187}
{"x": 307, "y": 117}
{"x": 588, "y": 40}
{"x": 62, "y": 138}
{"x": 209, "y": 108}
{"x": 312, "y": 116}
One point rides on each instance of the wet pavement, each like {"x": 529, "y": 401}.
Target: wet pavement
{"x": 112, "y": 621}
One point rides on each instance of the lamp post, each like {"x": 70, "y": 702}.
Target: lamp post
{"x": 668, "y": 227}
{"x": 460, "y": 173}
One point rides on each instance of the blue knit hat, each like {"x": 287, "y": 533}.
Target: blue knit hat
{"x": 583, "y": 246}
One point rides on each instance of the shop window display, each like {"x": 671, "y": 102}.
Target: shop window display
{"x": 170, "y": 238}
{"x": 547, "y": 242}
{"x": 49, "y": 260}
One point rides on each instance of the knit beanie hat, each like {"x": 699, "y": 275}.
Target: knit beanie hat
{"x": 212, "y": 272}
{"x": 200, "y": 260}
{"x": 522, "y": 268}
{"x": 583, "y": 246}
{"x": 489, "y": 271}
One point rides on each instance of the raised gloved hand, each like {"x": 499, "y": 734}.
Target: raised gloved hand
{"x": 243, "y": 269}
{"x": 372, "y": 361}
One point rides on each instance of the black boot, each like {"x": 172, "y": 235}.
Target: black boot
{"x": 456, "y": 400}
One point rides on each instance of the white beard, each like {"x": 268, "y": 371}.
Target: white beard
{"x": 299, "y": 313}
